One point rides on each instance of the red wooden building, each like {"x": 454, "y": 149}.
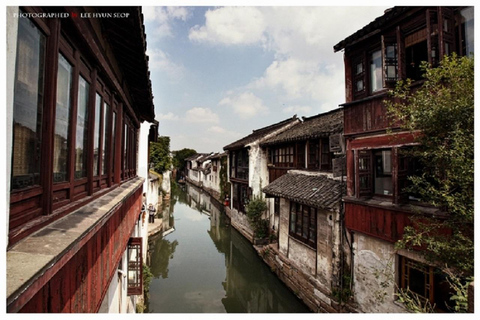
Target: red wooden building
{"x": 78, "y": 89}
{"x": 388, "y": 49}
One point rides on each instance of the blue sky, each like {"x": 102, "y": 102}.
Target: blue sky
{"x": 220, "y": 72}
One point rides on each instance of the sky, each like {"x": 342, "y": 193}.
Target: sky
{"x": 220, "y": 72}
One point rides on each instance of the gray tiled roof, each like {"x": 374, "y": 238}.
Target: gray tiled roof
{"x": 258, "y": 134}
{"x": 322, "y": 125}
{"x": 315, "y": 189}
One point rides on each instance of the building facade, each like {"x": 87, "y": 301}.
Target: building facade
{"x": 248, "y": 174}
{"x": 77, "y": 94}
{"x": 390, "y": 48}
{"x": 304, "y": 194}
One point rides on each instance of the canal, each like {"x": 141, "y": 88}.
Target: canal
{"x": 200, "y": 264}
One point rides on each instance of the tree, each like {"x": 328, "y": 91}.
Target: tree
{"x": 442, "y": 110}
{"x": 180, "y": 156}
{"x": 160, "y": 160}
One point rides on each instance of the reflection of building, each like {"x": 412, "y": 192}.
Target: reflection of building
{"x": 377, "y": 208}
{"x": 77, "y": 92}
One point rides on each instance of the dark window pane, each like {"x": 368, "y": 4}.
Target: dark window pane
{"x": 81, "y": 130}
{"x": 114, "y": 128}
{"x": 106, "y": 142}
{"x": 62, "y": 120}
{"x": 28, "y": 105}
{"x": 96, "y": 134}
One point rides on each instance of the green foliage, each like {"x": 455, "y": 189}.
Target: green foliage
{"x": 160, "y": 160}
{"x": 224, "y": 184}
{"x": 413, "y": 302}
{"x": 147, "y": 277}
{"x": 180, "y": 156}
{"x": 255, "y": 209}
{"x": 460, "y": 289}
{"x": 343, "y": 293}
{"x": 442, "y": 110}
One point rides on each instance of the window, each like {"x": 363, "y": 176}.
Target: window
{"x": 96, "y": 135}
{"x": 465, "y": 32}
{"x": 313, "y": 154}
{"x": 383, "y": 173}
{"x": 82, "y": 129}
{"x": 276, "y": 206}
{"x": 391, "y": 62}
{"x": 283, "y": 156}
{"x": 106, "y": 136}
{"x": 415, "y": 54}
{"x": 62, "y": 120}
{"x": 303, "y": 223}
{"x": 376, "y": 81}
{"x": 425, "y": 281}
{"x": 359, "y": 76}
{"x": 326, "y": 156}
{"x": 135, "y": 266}
{"x": 240, "y": 197}
{"x": 28, "y": 105}
{"x": 239, "y": 164}
{"x": 364, "y": 173}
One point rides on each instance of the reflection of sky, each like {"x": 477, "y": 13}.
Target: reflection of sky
{"x": 196, "y": 272}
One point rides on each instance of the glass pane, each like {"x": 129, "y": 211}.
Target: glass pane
{"x": 114, "y": 128}
{"x": 390, "y": 52}
{"x": 392, "y": 72}
{"x": 359, "y": 85}
{"x": 106, "y": 142}
{"x": 82, "y": 129}
{"x": 468, "y": 30}
{"x": 62, "y": 120}
{"x": 28, "y": 105}
{"x": 376, "y": 71}
{"x": 96, "y": 134}
{"x": 383, "y": 172}
{"x": 359, "y": 68}
{"x": 125, "y": 148}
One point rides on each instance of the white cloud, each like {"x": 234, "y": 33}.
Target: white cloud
{"x": 301, "y": 38}
{"x": 298, "y": 110}
{"x": 201, "y": 115}
{"x": 160, "y": 60}
{"x": 161, "y": 18}
{"x": 169, "y": 116}
{"x": 230, "y": 25}
{"x": 246, "y": 104}
{"x": 217, "y": 129}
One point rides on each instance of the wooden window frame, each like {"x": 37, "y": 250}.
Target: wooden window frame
{"x": 35, "y": 206}
{"x": 135, "y": 266}
{"x": 303, "y": 223}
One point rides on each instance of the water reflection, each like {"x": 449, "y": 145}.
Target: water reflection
{"x": 205, "y": 266}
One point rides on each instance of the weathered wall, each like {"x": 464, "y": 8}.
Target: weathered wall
{"x": 240, "y": 222}
{"x": 257, "y": 170}
{"x": 374, "y": 263}
{"x": 283, "y": 227}
{"x": 305, "y": 286}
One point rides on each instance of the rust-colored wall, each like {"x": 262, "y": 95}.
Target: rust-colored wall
{"x": 81, "y": 284}
{"x": 378, "y": 222}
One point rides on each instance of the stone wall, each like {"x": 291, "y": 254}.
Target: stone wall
{"x": 240, "y": 222}
{"x": 305, "y": 286}
{"x": 374, "y": 275}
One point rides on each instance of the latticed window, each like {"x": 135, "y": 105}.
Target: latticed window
{"x": 303, "y": 223}
{"x": 135, "y": 266}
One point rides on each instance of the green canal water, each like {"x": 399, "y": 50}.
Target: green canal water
{"x": 200, "y": 264}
